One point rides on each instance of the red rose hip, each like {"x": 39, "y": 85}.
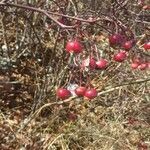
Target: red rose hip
{"x": 115, "y": 39}
{"x": 147, "y": 46}
{"x": 120, "y": 57}
{"x": 91, "y": 93}
{"x": 92, "y": 63}
{"x": 134, "y": 65}
{"x": 142, "y": 66}
{"x": 74, "y": 46}
{"x": 148, "y": 65}
{"x": 102, "y": 64}
{"x": 80, "y": 91}
{"x": 137, "y": 60}
{"x": 63, "y": 93}
{"x": 127, "y": 45}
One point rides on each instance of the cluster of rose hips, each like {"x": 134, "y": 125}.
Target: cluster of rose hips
{"x": 80, "y": 91}
{"x": 74, "y": 46}
{"x": 137, "y": 63}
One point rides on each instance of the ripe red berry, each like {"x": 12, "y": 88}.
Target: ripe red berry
{"x": 102, "y": 64}
{"x": 92, "y": 63}
{"x": 90, "y": 93}
{"x": 127, "y": 45}
{"x": 89, "y": 62}
{"x": 120, "y": 57}
{"x": 115, "y": 39}
{"x": 63, "y": 93}
{"x": 74, "y": 46}
{"x": 146, "y": 7}
{"x": 80, "y": 91}
{"x": 134, "y": 65}
{"x": 148, "y": 65}
{"x": 147, "y": 45}
{"x": 143, "y": 66}
{"x": 137, "y": 60}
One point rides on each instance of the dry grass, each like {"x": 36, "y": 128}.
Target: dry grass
{"x": 33, "y": 65}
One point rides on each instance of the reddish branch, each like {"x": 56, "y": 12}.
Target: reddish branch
{"x": 49, "y": 14}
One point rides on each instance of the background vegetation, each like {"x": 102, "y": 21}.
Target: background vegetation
{"x": 34, "y": 63}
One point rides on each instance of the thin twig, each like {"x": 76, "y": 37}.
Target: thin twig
{"x": 33, "y": 116}
{"x": 40, "y": 11}
{"x": 47, "y": 13}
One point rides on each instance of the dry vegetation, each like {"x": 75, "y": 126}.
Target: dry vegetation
{"x": 33, "y": 64}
